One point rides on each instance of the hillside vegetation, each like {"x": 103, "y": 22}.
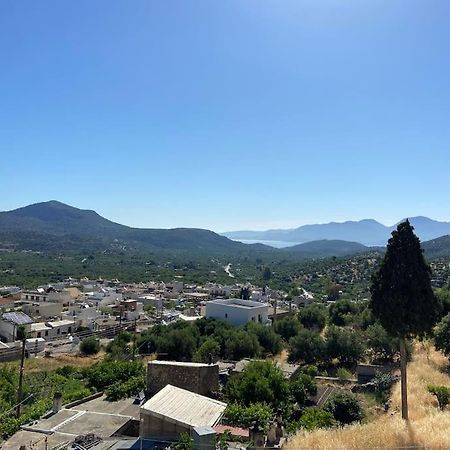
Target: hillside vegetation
{"x": 428, "y": 427}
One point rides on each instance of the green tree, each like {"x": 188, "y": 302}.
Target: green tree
{"x": 242, "y": 344}
{"x": 245, "y": 416}
{"x": 313, "y": 316}
{"x": 260, "y": 382}
{"x": 441, "y": 335}
{"x": 308, "y": 346}
{"x": 288, "y": 327}
{"x": 208, "y": 352}
{"x": 302, "y": 388}
{"x": 89, "y": 346}
{"x": 344, "y": 344}
{"x": 267, "y": 338}
{"x": 313, "y": 418}
{"x": 267, "y": 274}
{"x": 402, "y": 298}
{"x": 383, "y": 346}
{"x": 341, "y": 312}
{"x": 345, "y": 408}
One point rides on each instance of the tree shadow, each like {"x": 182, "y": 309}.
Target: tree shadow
{"x": 412, "y": 439}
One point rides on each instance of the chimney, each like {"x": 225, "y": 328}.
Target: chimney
{"x": 57, "y": 402}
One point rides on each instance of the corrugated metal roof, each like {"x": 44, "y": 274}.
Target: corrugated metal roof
{"x": 19, "y": 318}
{"x": 183, "y": 407}
{"x": 160, "y": 362}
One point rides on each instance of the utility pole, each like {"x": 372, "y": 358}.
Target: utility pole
{"x": 274, "y": 311}
{"x": 134, "y": 338}
{"x": 19, "y": 390}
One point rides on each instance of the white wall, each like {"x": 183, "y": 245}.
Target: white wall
{"x": 235, "y": 314}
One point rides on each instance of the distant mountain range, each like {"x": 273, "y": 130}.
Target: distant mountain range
{"x": 368, "y": 232}
{"x": 55, "y": 226}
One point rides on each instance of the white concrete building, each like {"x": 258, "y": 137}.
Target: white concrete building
{"x": 237, "y": 311}
{"x": 9, "y": 323}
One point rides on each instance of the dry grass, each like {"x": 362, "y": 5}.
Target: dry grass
{"x": 428, "y": 428}
{"x": 53, "y": 363}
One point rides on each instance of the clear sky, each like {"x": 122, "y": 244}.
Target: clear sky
{"x": 236, "y": 114}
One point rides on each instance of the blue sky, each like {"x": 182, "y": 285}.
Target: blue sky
{"x": 237, "y": 114}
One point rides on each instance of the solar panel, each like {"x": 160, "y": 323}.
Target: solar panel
{"x": 18, "y": 318}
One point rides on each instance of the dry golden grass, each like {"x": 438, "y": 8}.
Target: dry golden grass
{"x": 428, "y": 426}
{"x": 53, "y": 363}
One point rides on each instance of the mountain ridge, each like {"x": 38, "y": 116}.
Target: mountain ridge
{"x": 47, "y": 223}
{"x": 368, "y": 232}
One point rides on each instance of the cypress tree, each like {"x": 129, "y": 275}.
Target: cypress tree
{"x": 402, "y": 297}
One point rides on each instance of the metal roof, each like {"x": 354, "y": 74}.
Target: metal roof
{"x": 159, "y": 362}
{"x": 19, "y": 318}
{"x": 184, "y": 407}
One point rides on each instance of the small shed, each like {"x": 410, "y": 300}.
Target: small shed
{"x": 173, "y": 411}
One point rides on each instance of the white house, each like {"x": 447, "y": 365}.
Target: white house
{"x": 237, "y": 311}
{"x": 9, "y": 323}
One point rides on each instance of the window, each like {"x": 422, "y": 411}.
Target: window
{"x": 46, "y": 332}
{"x": 69, "y": 330}
{"x": 39, "y": 334}
{"x": 58, "y": 331}
{"x": 226, "y": 316}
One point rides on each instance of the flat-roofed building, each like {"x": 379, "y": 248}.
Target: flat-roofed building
{"x": 10, "y": 321}
{"x": 237, "y": 311}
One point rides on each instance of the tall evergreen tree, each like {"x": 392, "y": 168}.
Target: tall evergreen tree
{"x": 402, "y": 297}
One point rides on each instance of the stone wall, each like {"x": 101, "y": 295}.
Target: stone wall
{"x": 200, "y": 378}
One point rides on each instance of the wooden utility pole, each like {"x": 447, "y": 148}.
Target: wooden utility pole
{"x": 134, "y": 339}
{"x": 19, "y": 390}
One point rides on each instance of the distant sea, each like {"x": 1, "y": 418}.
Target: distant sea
{"x": 276, "y": 244}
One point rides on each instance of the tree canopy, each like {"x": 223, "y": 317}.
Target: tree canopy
{"x": 402, "y": 296}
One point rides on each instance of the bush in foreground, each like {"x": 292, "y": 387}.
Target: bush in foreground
{"x": 442, "y": 394}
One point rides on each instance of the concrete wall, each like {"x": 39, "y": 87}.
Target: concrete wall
{"x": 158, "y": 427}
{"x": 44, "y": 309}
{"x": 236, "y": 314}
{"x": 202, "y": 379}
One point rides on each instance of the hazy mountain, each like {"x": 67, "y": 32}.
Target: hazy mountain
{"x": 367, "y": 232}
{"x": 325, "y": 248}
{"x": 55, "y": 226}
{"x": 437, "y": 247}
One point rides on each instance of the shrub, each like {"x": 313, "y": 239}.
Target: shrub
{"x": 125, "y": 389}
{"x": 345, "y": 408}
{"x": 89, "y": 346}
{"x": 244, "y": 416}
{"x": 106, "y": 373}
{"x": 313, "y": 418}
{"x": 344, "y": 374}
{"x": 442, "y": 394}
